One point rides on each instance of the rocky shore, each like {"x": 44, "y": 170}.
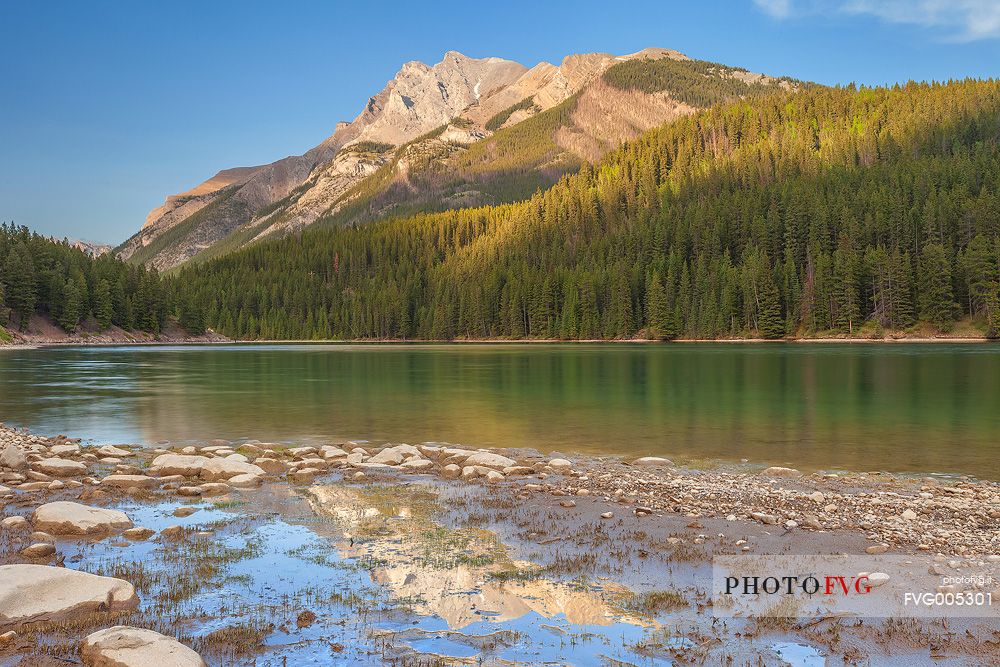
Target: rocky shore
{"x": 56, "y": 489}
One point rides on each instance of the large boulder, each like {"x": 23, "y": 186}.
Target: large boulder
{"x": 223, "y": 469}
{"x": 68, "y": 518}
{"x": 122, "y": 646}
{"x": 177, "y": 464}
{"x": 12, "y": 457}
{"x": 30, "y": 593}
{"x": 490, "y": 460}
{"x": 58, "y": 467}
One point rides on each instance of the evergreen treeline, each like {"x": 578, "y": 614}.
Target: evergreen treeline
{"x": 40, "y": 275}
{"x": 696, "y": 82}
{"x": 823, "y": 210}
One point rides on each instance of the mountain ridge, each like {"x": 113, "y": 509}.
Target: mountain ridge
{"x": 421, "y": 122}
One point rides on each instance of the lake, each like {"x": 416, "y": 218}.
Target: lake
{"x": 895, "y": 407}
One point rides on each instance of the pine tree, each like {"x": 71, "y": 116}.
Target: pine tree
{"x": 191, "y": 317}
{"x": 103, "y": 305}
{"x": 69, "y": 317}
{"x": 19, "y": 281}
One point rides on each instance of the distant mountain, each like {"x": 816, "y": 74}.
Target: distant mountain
{"x": 89, "y": 247}
{"x": 460, "y": 133}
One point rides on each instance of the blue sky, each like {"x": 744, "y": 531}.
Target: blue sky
{"x": 106, "y": 107}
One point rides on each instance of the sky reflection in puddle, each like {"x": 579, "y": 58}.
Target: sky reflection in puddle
{"x": 384, "y": 582}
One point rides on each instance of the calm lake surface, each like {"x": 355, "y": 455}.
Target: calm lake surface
{"x": 893, "y": 407}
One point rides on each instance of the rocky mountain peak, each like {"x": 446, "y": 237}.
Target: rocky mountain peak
{"x": 422, "y": 97}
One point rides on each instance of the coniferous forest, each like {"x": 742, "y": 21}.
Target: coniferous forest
{"x": 823, "y": 211}
{"x": 819, "y": 212}
{"x": 51, "y": 278}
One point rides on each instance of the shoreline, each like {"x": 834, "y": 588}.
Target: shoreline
{"x": 222, "y": 342}
{"x": 448, "y": 546}
{"x": 632, "y": 480}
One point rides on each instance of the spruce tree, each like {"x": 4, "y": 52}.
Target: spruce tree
{"x": 937, "y": 300}
{"x": 769, "y": 321}
{"x": 659, "y": 319}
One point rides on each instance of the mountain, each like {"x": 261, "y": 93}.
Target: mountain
{"x": 89, "y": 247}
{"x": 808, "y": 212}
{"x": 462, "y": 132}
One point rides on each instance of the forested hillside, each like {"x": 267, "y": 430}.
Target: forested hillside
{"x": 39, "y": 275}
{"x": 803, "y": 213}
{"x": 521, "y": 158}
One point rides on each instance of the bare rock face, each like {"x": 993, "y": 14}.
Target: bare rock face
{"x": 30, "y": 593}
{"x": 69, "y": 518}
{"x": 122, "y": 646}
{"x": 421, "y": 98}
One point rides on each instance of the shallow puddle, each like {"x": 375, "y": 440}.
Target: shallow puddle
{"x": 344, "y": 575}
{"x": 428, "y": 575}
